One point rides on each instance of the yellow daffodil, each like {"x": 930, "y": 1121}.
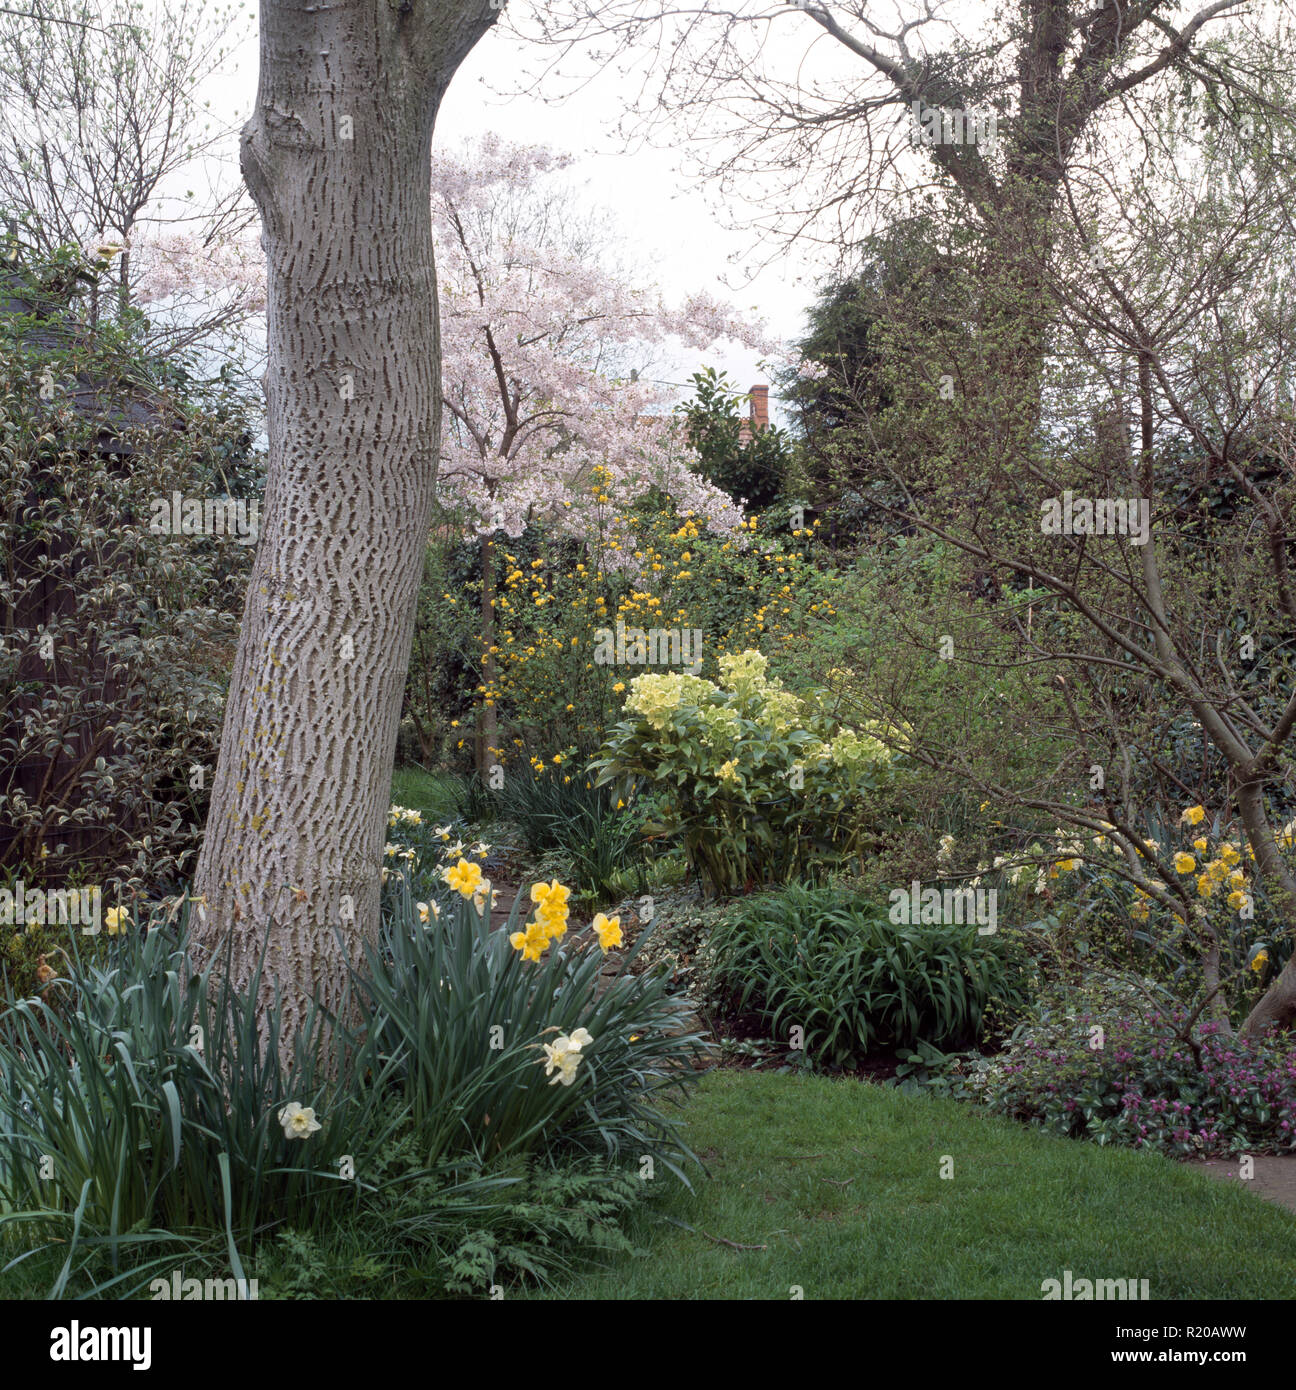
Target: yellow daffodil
{"x": 608, "y": 931}
{"x": 553, "y": 921}
{"x": 464, "y": 877}
{"x": 531, "y": 943}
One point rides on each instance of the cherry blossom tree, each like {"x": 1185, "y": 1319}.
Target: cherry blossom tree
{"x": 550, "y": 411}
{"x": 199, "y": 286}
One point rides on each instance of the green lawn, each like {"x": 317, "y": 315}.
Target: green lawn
{"x": 433, "y": 793}
{"x": 787, "y": 1173}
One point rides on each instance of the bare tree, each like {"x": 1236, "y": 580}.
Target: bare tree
{"x": 100, "y": 117}
{"x": 807, "y": 108}
{"x": 823, "y": 115}
{"x": 1170, "y": 405}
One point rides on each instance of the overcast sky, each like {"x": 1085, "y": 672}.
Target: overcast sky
{"x": 678, "y": 239}
{"x": 667, "y": 227}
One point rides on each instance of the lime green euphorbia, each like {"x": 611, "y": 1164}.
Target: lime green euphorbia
{"x": 762, "y": 784}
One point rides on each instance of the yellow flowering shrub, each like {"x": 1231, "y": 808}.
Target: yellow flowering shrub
{"x": 761, "y": 784}
{"x": 646, "y": 566}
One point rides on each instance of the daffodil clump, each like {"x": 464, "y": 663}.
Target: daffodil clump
{"x": 421, "y": 853}
{"x": 399, "y": 856}
{"x": 1213, "y": 874}
{"x": 550, "y": 923}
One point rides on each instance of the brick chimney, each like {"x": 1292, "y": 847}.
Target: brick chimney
{"x": 759, "y": 408}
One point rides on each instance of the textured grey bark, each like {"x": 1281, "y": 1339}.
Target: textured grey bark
{"x": 337, "y": 158}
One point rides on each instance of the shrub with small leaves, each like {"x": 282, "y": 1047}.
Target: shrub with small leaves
{"x": 1114, "y": 1062}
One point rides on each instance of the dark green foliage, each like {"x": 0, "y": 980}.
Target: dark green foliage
{"x": 428, "y": 1236}
{"x": 445, "y": 663}
{"x": 838, "y": 968}
{"x": 579, "y": 818}
{"x": 914, "y": 284}
{"x": 100, "y": 730}
{"x": 475, "y": 802}
{"x": 530, "y": 1231}
{"x": 754, "y": 471}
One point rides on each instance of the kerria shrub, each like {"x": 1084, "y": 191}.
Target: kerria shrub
{"x": 835, "y": 965}
{"x": 1116, "y": 1063}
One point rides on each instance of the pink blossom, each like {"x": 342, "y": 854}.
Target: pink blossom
{"x": 535, "y": 345}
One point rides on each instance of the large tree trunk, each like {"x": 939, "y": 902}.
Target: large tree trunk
{"x": 337, "y": 159}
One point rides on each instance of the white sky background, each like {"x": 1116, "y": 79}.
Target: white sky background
{"x": 669, "y": 231}
{"x": 678, "y": 243}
